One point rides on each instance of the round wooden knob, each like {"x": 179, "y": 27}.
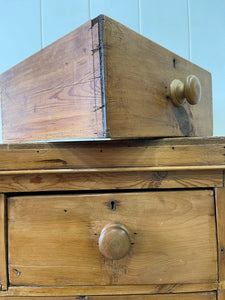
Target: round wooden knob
{"x": 190, "y": 90}
{"x": 114, "y": 241}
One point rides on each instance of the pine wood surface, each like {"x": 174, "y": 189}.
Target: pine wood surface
{"x": 221, "y": 295}
{"x": 110, "y": 290}
{"x": 39, "y": 298}
{"x": 220, "y": 213}
{"x": 102, "y": 80}
{"x": 151, "y": 155}
{"x": 63, "y": 233}
{"x": 205, "y": 296}
{"x": 137, "y": 102}
{"x": 85, "y": 181}
{"x": 54, "y": 94}
{"x": 3, "y": 243}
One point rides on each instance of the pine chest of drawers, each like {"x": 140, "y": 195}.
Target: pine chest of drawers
{"x": 112, "y": 220}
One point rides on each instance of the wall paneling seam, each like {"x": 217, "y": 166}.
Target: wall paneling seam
{"x": 189, "y": 30}
{"x": 41, "y": 24}
{"x": 139, "y": 16}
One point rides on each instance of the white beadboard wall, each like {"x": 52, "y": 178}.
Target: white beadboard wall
{"x": 194, "y": 29}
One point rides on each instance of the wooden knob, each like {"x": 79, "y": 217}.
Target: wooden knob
{"x": 114, "y": 241}
{"x": 190, "y": 90}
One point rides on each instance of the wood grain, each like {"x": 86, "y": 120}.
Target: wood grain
{"x": 220, "y": 213}
{"x": 102, "y": 80}
{"x": 158, "y": 154}
{"x": 56, "y": 93}
{"x": 3, "y": 259}
{"x": 39, "y": 298}
{"x": 221, "y": 294}
{"x": 109, "y": 180}
{"x": 205, "y": 296}
{"x": 109, "y": 290}
{"x": 164, "y": 248}
{"x": 138, "y": 74}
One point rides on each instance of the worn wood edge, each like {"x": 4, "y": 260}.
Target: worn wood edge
{"x": 221, "y": 285}
{"x": 104, "y": 170}
{"x": 220, "y": 209}
{"x": 101, "y": 142}
{"x": 130, "y": 156}
{"x": 97, "y": 64}
{"x": 110, "y": 181}
{"x": 154, "y": 142}
{"x": 3, "y": 252}
{"x": 110, "y": 290}
{"x": 100, "y": 21}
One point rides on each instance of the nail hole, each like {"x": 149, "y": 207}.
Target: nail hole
{"x": 222, "y": 250}
{"x": 172, "y": 148}
{"x": 135, "y": 232}
{"x": 65, "y": 211}
{"x": 101, "y": 150}
{"x": 38, "y": 151}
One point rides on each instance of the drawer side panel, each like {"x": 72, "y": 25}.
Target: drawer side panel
{"x": 56, "y": 93}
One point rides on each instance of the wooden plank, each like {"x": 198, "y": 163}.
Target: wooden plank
{"x": 38, "y": 298}
{"x": 161, "y": 154}
{"x": 68, "y": 226}
{"x": 52, "y": 94}
{"x": 109, "y": 290}
{"x": 196, "y": 296}
{"x": 205, "y": 296}
{"x": 220, "y": 213}
{"x": 138, "y": 74}
{"x": 109, "y": 180}
{"x": 3, "y": 259}
{"x": 221, "y": 294}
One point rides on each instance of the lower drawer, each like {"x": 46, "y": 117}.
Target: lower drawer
{"x": 170, "y": 236}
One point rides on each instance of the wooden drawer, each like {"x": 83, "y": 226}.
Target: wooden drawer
{"x": 53, "y": 240}
{"x": 103, "y": 80}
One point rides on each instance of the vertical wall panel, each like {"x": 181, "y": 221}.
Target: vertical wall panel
{"x": 166, "y": 23}
{"x": 20, "y": 32}
{"x": 207, "y": 24}
{"x": 60, "y": 17}
{"x": 124, "y": 11}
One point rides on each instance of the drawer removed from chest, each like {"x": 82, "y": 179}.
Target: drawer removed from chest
{"x": 121, "y": 238}
{"x": 104, "y": 80}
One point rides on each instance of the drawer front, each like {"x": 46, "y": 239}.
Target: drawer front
{"x": 170, "y": 237}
